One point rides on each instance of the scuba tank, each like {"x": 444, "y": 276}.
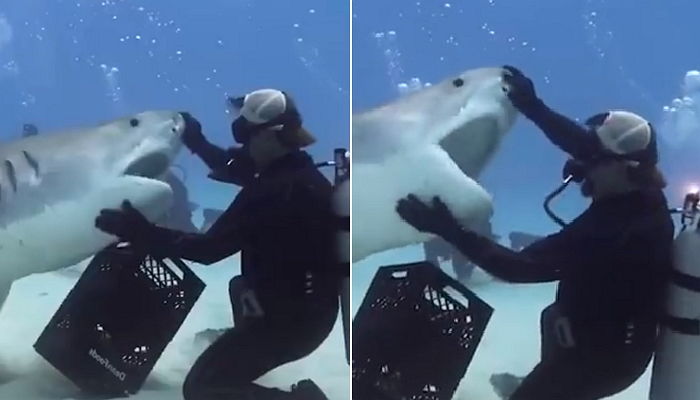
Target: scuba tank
{"x": 341, "y": 207}
{"x": 674, "y": 374}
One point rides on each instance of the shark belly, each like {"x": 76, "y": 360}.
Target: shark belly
{"x": 432, "y": 142}
{"x": 428, "y": 172}
{"x": 64, "y": 233}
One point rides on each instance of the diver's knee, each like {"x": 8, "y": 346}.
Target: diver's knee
{"x": 192, "y": 386}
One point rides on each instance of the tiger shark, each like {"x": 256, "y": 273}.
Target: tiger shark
{"x": 432, "y": 142}
{"x": 53, "y": 186}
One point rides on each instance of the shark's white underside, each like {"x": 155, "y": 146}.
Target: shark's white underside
{"x": 53, "y": 186}
{"x": 429, "y": 143}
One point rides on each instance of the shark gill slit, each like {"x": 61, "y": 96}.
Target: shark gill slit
{"x": 32, "y": 162}
{"x": 11, "y": 174}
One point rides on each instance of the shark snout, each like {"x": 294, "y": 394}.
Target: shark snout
{"x": 178, "y": 124}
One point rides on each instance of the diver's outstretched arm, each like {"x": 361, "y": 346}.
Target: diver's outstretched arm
{"x": 202, "y": 248}
{"x": 213, "y": 156}
{"x": 539, "y": 262}
{"x": 130, "y": 225}
{"x": 562, "y": 131}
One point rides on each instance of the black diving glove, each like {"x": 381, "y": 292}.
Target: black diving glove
{"x": 127, "y": 223}
{"x": 192, "y": 137}
{"x": 439, "y": 220}
{"x": 436, "y": 219}
{"x": 522, "y": 91}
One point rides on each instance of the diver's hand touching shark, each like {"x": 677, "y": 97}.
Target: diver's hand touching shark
{"x": 439, "y": 220}
{"x": 436, "y": 219}
{"x": 521, "y": 89}
{"x": 127, "y": 223}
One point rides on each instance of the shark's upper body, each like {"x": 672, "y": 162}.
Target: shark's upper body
{"x": 432, "y": 142}
{"x": 52, "y": 187}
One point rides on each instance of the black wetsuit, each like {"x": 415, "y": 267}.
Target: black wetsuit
{"x": 282, "y": 222}
{"x": 227, "y": 165}
{"x": 612, "y": 263}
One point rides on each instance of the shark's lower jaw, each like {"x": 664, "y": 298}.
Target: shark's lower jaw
{"x": 152, "y": 165}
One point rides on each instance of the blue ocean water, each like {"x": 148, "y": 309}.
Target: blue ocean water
{"x": 76, "y": 63}
{"x": 71, "y": 63}
{"x": 584, "y": 56}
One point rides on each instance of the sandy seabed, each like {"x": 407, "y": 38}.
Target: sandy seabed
{"x": 511, "y": 342}
{"x": 34, "y": 300}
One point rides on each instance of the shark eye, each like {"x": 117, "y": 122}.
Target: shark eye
{"x": 458, "y": 82}
{"x": 134, "y": 122}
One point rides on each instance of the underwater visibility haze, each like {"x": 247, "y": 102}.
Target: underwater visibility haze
{"x": 68, "y": 65}
{"x": 584, "y": 57}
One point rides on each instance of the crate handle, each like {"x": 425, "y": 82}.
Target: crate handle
{"x": 175, "y": 268}
{"x": 402, "y": 274}
{"x": 457, "y": 295}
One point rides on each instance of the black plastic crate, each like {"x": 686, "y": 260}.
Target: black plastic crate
{"x": 412, "y": 340}
{"x": 115, "y": 323}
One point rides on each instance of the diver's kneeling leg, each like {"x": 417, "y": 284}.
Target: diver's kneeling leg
{"x": 236, "y": 287}
{"x": 228, "y": 367}
{"x": 563, "y": 379}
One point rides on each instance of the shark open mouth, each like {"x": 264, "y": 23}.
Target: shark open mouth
{"x": 149, "y": 166}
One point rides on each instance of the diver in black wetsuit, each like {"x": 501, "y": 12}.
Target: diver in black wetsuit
{"x": 612, "y": 262}
{"x": 283, "y": 223}
{"x": 231, "y": 165}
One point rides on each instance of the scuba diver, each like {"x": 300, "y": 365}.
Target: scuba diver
{"x": 612, "y": 263}
{"x": 283, "y": 224}
{"x": 231, "y": 165}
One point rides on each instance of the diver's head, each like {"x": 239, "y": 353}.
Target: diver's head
{"x": 624, "y": 159}
{"x": 268, "y": 125}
